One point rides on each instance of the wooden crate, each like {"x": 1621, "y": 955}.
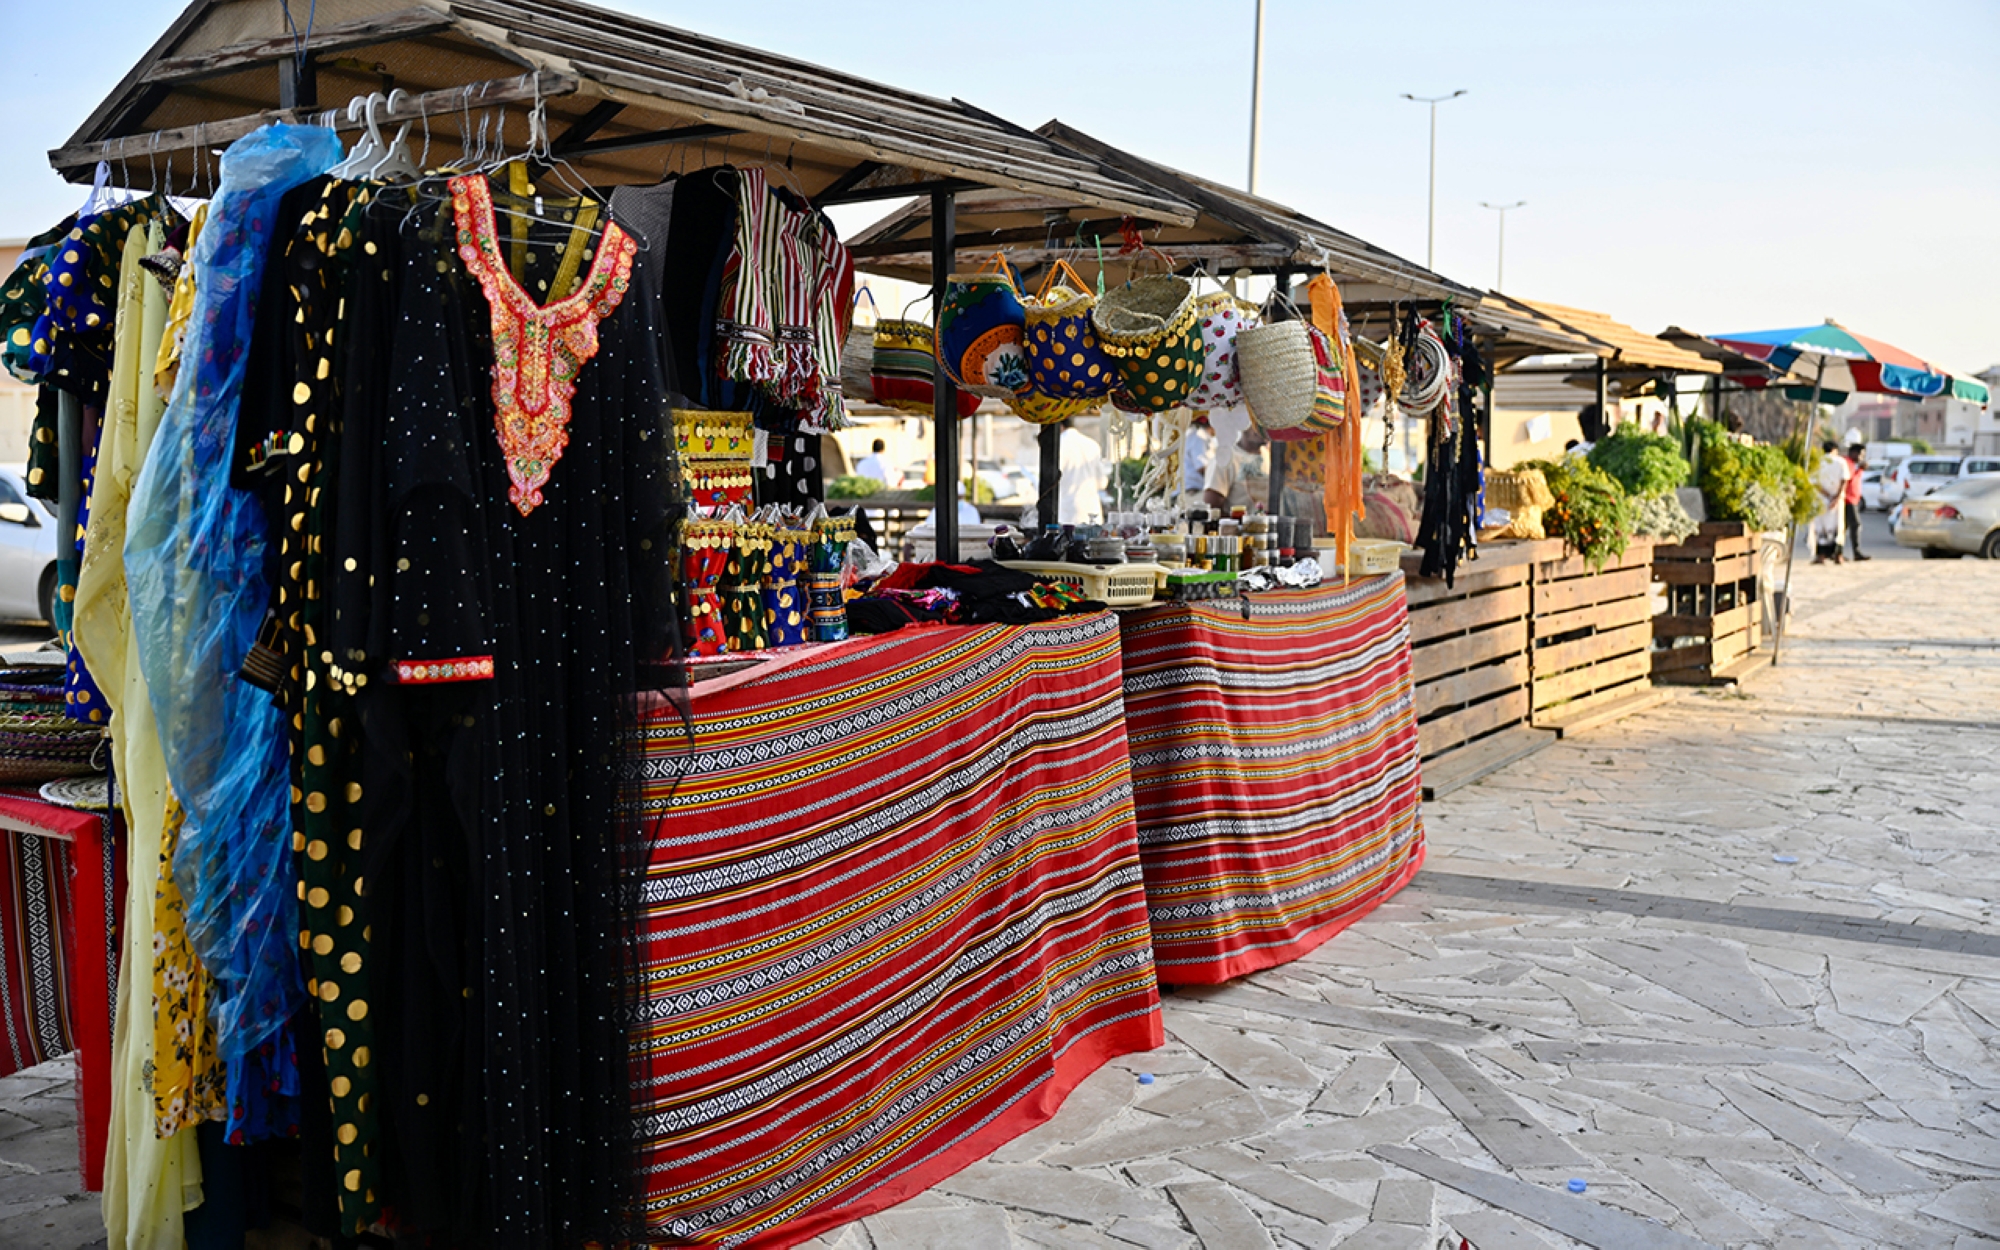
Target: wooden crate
{"x": 1591, "y": 637}
{"x": 1712, "y": 628}
{"x": 1469, "y": 647}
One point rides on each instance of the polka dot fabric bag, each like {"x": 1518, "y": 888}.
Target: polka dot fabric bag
{"x": 1220, "y": 316}
{"x": 1065, "y": 359}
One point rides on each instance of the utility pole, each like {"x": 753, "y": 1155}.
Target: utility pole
{"x": 1500, "y": 266}
{"x": 1430, "y": 246}
{"x": 1256, "y": 96}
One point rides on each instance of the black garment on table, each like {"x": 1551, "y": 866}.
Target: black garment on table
{"x": 986, "y": 594}
{"x": 508, "y": 789}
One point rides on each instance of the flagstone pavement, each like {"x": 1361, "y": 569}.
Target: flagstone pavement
{"x": 1731, "y": 965}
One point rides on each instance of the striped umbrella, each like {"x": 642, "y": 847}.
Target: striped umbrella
{"x": 1837, "y": 359}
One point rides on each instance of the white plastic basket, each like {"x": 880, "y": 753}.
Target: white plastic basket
{"x": 1115, "y": 586}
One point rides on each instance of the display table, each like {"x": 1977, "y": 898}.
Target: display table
{"x": 1274, "y": 765}
{"x": 894, "y": 914}
{"x": 64, "y": 884}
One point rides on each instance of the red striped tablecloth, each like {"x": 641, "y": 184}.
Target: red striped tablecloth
{"x": 1274, "y": 765}
{"x": 894, "y": 915}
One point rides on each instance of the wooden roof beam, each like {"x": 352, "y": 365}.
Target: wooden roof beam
{"x": 79, "y": 158}
{"x": 340, "y": 37}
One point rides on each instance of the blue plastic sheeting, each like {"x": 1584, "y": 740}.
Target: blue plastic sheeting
{"x": 194, "y": 557}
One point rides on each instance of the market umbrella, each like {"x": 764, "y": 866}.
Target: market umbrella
{"x": 1839, "y": 360}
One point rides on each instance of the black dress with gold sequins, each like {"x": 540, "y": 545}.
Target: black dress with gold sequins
{"x": 492, "y": 653}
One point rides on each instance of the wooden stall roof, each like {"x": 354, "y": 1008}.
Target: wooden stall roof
{"x": 627, "y": 100}
{"x": 1232, "y": 230}
{"x": 1633, "y": 352}
{"x": 1728, "y": 360}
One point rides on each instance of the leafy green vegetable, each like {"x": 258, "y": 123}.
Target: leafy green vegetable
{"x": 853, "y": 486}
{"x": 1591, "y": 514}
{"x": 1729, "y": 468}
{"x": 1644, "y": 464}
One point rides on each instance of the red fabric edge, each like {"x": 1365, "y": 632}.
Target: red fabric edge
{"x": 1272, "y": 956}
{"x": 1091, "y": 1052}
{"x": 48, "y": 818}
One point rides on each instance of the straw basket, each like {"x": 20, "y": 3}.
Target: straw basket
{"x": 1524, "y": 493}
{"x": 37, "y": 741}
{"x": 1280, "y": 377}
{"x": 1148, "y": 325}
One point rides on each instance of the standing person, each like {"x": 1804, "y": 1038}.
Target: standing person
{"x": 1083, "y": 475}
{"x": 1197, "y": 451}
{"x": 1851, "y": 513}
{"x": 1238, "y": 479}
{"x": 875, "y": 464}
{"x": 1831, "y": 482}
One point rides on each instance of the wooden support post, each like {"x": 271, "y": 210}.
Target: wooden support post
{"x": 298, "y": 82}
{"x": 944, "y": 407}
{"x": 1275, "y": 502}
{"x": 1604, "y": 394}
{"x": 1048, "y": 505}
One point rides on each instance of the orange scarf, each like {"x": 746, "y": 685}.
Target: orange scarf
{"x": 1341, "y": 453}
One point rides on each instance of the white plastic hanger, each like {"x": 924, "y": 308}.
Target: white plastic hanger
{"x": 368, "y": 147}
{"x": 395, "y": 162}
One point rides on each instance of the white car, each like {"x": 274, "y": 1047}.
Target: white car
{"x": 1920, "y": 475}
{"x": 27, "y": 551}
{"x": 1879, "y": 490}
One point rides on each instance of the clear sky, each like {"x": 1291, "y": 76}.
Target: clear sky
{"x": 1722, "y": 166}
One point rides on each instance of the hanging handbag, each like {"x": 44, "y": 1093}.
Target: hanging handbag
{"x": 902, "y": 373}
{"x": 1329, "y": 407}
{"x": 1041, "y": 410}
{"x": 1148, "y": 325}
{"x": 1065, "y": 359}
{"x": 980, "y": 331}
{"x": 1280, "y": 375}
{"x": 1220, "y": 318}
{"x": 857, "y": 352}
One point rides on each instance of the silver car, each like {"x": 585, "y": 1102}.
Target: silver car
{"x": 1960, "y": 518}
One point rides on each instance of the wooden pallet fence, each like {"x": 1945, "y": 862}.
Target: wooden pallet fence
{"x": 1469, "y": 649}
{"x": 1713, "y": 622}
{"x": 1591, "y": 636}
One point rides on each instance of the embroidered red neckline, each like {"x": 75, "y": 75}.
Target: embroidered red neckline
{"x": 537, "y": 351}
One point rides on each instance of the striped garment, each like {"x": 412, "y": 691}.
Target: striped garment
{"x": 894, "y": 915}
{"x": 746, "y": 333}
{"x": 1274, "y": 765}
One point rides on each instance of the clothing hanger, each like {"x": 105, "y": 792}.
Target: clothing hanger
{"x": 368, "y": 148}
{"x": 394, "y": 163}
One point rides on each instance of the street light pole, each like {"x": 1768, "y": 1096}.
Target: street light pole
{"x": 1430, "y": 246}
{"x": 1256, "y": 95}
{"x": 1500, "y": 268}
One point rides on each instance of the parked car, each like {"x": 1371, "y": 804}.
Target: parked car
{"x": 1958, "y": 519}
{"x": 1879, "y": 490}
{"x": 27, "y": 551}
{"x": 1975, "y": 465}
{"x": 1920, "y": 475}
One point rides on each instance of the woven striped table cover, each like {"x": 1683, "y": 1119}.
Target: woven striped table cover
{"x": 894, "y": 914}
{"x": 1274, "y": 765}
{"x": 35, "y": 951}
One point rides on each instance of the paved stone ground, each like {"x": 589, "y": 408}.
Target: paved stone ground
{"x": 1731, "y": 963}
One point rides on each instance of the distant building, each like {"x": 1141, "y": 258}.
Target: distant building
{"x": 1987, "y": 437}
